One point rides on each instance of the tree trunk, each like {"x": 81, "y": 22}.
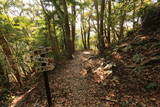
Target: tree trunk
{"x": 107, "y": 37}
{"x": 109, "y": 23}
{"x": 67, "y": 30}
{"x": 89, "y": 29}
{"x": 53, "y": 39}
{"x": 123, "y": 15}
{"x": 101, "y": 23}
{"x": 114, "y": 34}
{"x": 63, "y": 39}
{"x": 134, "y": 12}
{"x": 83, "y": 31}
{"x": 73, "y": 27}
{"x": 101, "y": 44}
{"x": 83, "y": 38}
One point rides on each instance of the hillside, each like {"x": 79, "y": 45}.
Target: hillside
{"x": 130, "y": 71}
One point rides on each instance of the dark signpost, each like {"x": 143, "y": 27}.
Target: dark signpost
{"x": 44, "y": 65}
{"x": 48, "y": 93}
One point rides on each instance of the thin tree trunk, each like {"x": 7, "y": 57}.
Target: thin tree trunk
{"x": 115, "y": 34}
{"x": 97, "y": 18}
{"x": 89, "y": 29}
{"x": 56, "y": 40}
{"x": 94, "y": 26}
{"x": 109, "y": 23}
{"x": 48, "y": 25}
{"x": 101, "y": 23}
{"x": 83, "y": 38}
{"x": 64, "y": 44}
{"x": 123, "y": 15}
{"x": 73, "y": 27}
{"x": 52, "y": 40}
{"x": 83, "y": 31}
{"x": 134, "y": 12}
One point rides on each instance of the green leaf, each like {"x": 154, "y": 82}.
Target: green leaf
{"x": 151, "y": 85}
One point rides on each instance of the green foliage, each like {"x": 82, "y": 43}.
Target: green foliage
{"x": 151, "y": 85}
{"x": 130, "y": 32}
{"x": 149, "y": 15}
{"x": 127, "y": 48}
{"x": 73, "y": 2}
{"x": 5, "y": 26}
{"x": 79, "y": 44}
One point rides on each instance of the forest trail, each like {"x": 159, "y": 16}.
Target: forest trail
{"x": 125, "y": 71}
{"x": 72, "y": 86}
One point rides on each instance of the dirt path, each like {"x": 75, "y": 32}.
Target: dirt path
{"x": 72, "y": 88}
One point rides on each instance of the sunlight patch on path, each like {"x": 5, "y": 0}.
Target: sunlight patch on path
{"x": 87, "y": 52}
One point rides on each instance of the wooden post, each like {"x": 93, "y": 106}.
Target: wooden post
{"x": 46, "y": 83}
{"x": 46, "y": 64}
{"x": 48, "y": 93}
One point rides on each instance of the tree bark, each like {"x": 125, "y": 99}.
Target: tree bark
{"x": 67, "y": 30}
{"x": 89, "y": 29}
{"x": 109, "y": 23}
{"x": 134, "y": 12}
{"x": 101, "y": 44}
{"x": 101, "y": 22}
{"x": 73, "y": 27}
{"x": 48, "y": 24}
{"x": 123, "y": 15}
{"x": 83, "y": 30}
{"x": 83, "y": 38}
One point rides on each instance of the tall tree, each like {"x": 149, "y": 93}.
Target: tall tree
{"x": 122, "y": 20}
{"x": 73, "y": 26}
{"x": 83, "y": 29}
{"x": 89, "y": 30}
{"x": 109, "y": 23}
{"x": 134, "y": 13}
{"x": 101, "y": 44}
{"x": 67, "y": 30}
{"x": 51, "y": 35}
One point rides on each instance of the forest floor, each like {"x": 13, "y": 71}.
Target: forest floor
{"x": 127, "y": 76}
{"x": 70, "y": 87}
